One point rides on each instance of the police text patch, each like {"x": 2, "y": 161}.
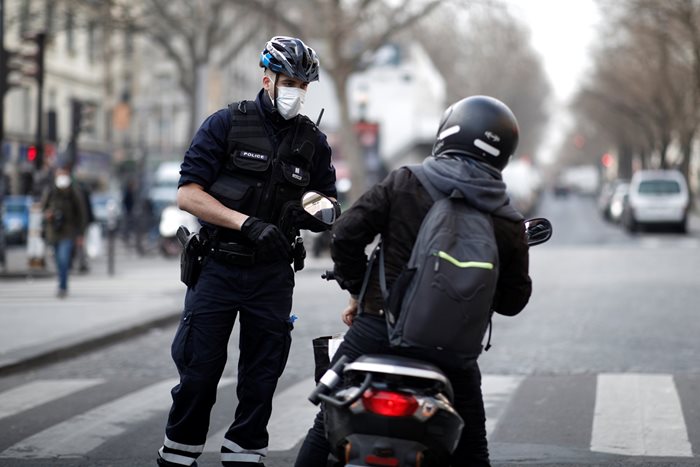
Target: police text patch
{"x": 256, "y": 156}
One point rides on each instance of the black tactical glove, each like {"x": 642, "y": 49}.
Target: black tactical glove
{"x": 301, "y": 220}
{"x": 305, "y": 221}
{"x": 268, "y": 239}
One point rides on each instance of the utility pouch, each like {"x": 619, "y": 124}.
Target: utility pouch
{"x": 191, "y": 257}
{"x": 299, "y": 254}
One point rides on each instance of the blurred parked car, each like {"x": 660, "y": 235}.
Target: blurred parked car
{"x": 618, "y": 201}
{"x": 107, "y": 209}
{"x": 15, "y": 218}
{"x": 163, "y": 191}
{"x": 561, "y": 189}
{"x": 523, "y": 183}
{"x": 606, "y": 195}
{"x": 657, "y": 198}
{"x": 582, "y": 179}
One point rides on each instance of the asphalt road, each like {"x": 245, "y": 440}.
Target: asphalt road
{"x": 601, "y": 368}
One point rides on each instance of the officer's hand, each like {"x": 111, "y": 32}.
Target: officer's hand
{"x": 302, "y": 220}
{"x": 268, "y": 239}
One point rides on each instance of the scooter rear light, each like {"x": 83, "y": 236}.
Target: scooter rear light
{"x": 389, "y": 404}
{"x": 373, "y": 460}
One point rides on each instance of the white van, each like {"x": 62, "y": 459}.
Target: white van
{"x": 163, "y": 191}
{"x": 657, "y": 197}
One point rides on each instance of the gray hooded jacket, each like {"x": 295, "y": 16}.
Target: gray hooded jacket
{"x": 395, "y": 208}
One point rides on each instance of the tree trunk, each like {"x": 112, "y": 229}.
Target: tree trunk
{"x": 348, "y": 140}
{"x": 624, "y": 163}
{"x": 687, "y": 153}
{"x": 190, "y": 93}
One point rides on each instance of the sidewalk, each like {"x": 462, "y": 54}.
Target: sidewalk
{"x": 38, "y": 327}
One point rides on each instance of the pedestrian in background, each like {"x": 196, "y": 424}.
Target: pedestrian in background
{"x": 80, "y": 250}
{"x": 65, "y": 221}
{"x": 243, "y": 177}
{"x": 128, "y": 203}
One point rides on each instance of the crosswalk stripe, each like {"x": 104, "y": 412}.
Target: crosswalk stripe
{"x": 85, "y": 432}
{"x": 634, "y": 415}
{"x": 497, "y": 391}
{"x": 292, "y": 415}
{"x": 639, "y": 415}
{"x": 39, "y": 392}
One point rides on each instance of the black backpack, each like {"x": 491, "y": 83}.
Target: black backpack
{"x": 442, "y": 299}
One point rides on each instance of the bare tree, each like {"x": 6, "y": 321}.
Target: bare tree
{"x": 502, "y": 64}
{"x": 190, "y": 34}
{"x": 646, "y": 75}
{"x": 349, "y": 32}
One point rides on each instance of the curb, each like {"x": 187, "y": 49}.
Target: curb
{"x": 71, "y": 346}
{"x": 26, "y": 275}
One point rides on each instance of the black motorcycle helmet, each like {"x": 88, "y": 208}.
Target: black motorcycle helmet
{"x": 479, "y": 127}
{"x": 291, "y": 57}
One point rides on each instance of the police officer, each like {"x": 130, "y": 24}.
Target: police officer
{"x": 476, "y": 137}
{"x": 243, "y": 177}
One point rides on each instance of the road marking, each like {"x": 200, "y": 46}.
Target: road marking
{"x": 78, "y": 435}
{"x": 497, "y": 391}
{"x": 39, "y": 392}
{"x": 639, "y": 415}
{"x": 292, "y": 415}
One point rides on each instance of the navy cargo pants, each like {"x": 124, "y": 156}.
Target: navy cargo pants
{"x": 262, "y": 296}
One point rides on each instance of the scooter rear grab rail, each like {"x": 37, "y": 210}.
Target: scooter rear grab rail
{"x": 351, "y": 400}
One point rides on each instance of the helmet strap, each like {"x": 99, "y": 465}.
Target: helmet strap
{"x": 273, "y": 97}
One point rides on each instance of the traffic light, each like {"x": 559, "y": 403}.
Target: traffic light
{"x": 82, "y": 117}
{"x": 31, "y": 153}
{"x": 607, "y": 160}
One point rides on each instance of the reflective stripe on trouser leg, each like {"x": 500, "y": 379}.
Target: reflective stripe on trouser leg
{"x": 234, "y": 448}
{"x": 180, "y": 453}
{"x": 232, "y": 452}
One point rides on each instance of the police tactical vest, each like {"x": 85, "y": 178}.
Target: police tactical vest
{"x": 258, "y": 179}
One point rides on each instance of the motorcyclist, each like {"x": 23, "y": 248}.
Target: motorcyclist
{"x": 476, "y": 137}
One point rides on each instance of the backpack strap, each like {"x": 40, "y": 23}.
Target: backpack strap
{"x": 419, "y": 171}
{"x": 365, "y": 281}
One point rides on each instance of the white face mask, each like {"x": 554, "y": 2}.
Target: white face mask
{"x": 289, "y": 101}
{"x": 62, "y": 181}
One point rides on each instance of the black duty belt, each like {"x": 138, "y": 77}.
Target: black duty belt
{"x": 371, "y": 311}
{"x": 233, "y": 253}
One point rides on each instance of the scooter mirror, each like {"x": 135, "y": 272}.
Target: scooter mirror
{"x": 319, "y": 206}
{"x": 538, "y": 230}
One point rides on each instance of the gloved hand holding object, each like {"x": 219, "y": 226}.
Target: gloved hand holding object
{"x": 318, "y": 222}
{"x": 268, "y": 239}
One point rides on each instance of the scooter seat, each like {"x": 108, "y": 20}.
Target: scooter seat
{"x": 400, "y": 366}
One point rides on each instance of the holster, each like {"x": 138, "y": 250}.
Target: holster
{"x": 191, "y": 257}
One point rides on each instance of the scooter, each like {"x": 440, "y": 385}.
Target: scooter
{"x": 383, "y": 410}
